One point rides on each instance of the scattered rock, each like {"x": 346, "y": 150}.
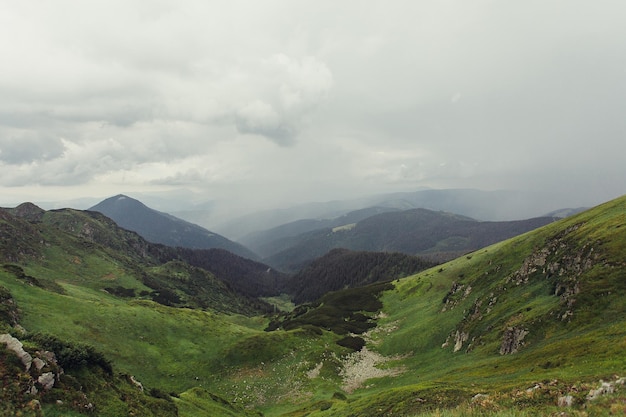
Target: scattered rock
{"x": 34, "y": 405}
{"x": 48, "y": 356}
{"x": 315, "y": 372}
{"x": 479, "y": 397}
{"x": 512, "y": 340}
{"x": 565, "y": 401}
{"x": 533, "y": 388}
{"x": 446, "y": 343}
{"x": 137, "y": 383}
{"x": 459, "y": 339}
{"x": 605, "y": 388}
{"x": 16, "y": 346}
{"x": 39, "y": 364}
{"x": 46, "y": 380}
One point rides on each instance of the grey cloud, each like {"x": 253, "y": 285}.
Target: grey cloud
{"x": 261, "y": 119}
{"x": 281, "y": 134}
{"x": 26, "y": 147}
{"x": 191, "y": 176}
{"x": 293, "y": 89}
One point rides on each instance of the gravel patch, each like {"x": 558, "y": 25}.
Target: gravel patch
{"x": 360, "y": 366}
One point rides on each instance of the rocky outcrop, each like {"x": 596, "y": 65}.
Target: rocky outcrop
{"x": 28, "y": 211}
{"x": 565, "y": 401}
{"x": 42, "y": 369}
{"x": 16, "y": 346}
{"x": 458, "y": 292}
{"x": 512, "y": 340}
{"x": 459, "y": 339}
{"x": 605, "y": 388}
{"x": 559, "y": 262}
{"x": 8, "y": 308}
{"x": 46, "y": 380}
{"x": 136, "y": 383}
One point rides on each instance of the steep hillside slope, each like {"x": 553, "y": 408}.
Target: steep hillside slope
{"x": 243, "y": 274}
{"x": 246, "y": 276}
{"x": 163, "y": 228}
{"x": 524, "y": 324}
{"x": 440, "y": 235}
{"x": 88, "y": 248}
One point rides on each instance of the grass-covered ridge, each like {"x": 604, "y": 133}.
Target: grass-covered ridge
{"x": 547, "y": 306}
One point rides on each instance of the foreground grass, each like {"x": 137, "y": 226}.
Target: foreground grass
{"x": 215, "y": 364}
{"x": 172, "y": 349}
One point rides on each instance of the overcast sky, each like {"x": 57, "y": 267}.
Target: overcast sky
{"x": 311, "y": 100}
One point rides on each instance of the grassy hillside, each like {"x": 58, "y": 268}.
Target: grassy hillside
{"x": 510, "y": 329}
{"x": 521, "y": 323}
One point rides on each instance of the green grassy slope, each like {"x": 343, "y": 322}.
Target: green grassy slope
{"x": 88, "y": 249}
{"x": 202, "y": 356}
{"x": 563, "y": 287}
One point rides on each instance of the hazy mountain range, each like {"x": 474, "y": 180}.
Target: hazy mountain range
{"x": 497, "y": 205}
{"x": 291, "y": 246}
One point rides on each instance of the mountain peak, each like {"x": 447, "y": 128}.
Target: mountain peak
{"x": 158, "y": 227}
{"x": 28, "y": 211}
{"x": 120, "y": 199}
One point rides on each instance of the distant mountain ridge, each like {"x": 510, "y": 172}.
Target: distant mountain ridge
{"x": 496, "y": 205}
{"x": 274, "y": 240}
{"x": 158, "y": 227}
{"x": 440, "y": 235}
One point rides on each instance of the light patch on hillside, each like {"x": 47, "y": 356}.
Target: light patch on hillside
{"x": 315, "y": 372}
{"x": 344, "y": 228}
{"x": 360, "y": 366}
{"x": 378, "y": 333}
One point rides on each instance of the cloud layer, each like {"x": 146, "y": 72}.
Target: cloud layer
{"x": 311, "y": 100}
